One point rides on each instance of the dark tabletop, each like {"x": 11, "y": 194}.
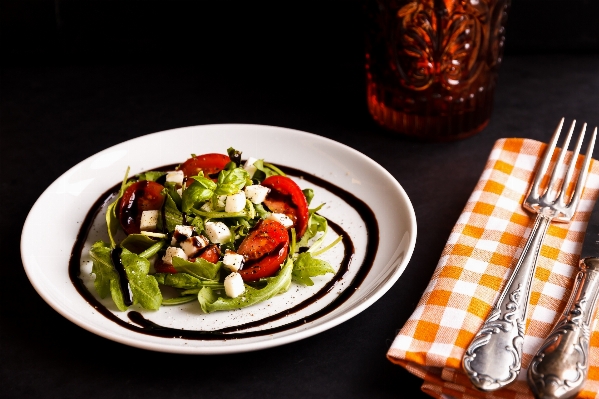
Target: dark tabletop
{"x": 77, "y": 79}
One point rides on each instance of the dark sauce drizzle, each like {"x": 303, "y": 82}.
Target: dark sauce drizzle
{"x": 115, "y": 254}
{"x": 145, "y": 326}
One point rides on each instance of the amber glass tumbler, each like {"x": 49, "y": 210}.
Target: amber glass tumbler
{"x": 432, "y": 65}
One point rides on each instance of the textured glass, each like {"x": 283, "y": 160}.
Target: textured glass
{"x": 431, "y": 65}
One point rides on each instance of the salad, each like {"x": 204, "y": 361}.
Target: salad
{"x": 225, "y": 233}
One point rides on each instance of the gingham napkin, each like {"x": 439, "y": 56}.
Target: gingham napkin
{"x": 475, "y": 264}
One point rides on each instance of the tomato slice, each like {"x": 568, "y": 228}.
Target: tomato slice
{"x": 211, "y": 253}
{"x": 264, "y": 250}
{"x": 141, "y": 196}
{"x": 210, "y": 164}
{"x": 287, "y": 197}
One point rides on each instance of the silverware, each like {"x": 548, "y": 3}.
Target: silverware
{"x": 559, "y": 369}
{"x": 494, "y": 357}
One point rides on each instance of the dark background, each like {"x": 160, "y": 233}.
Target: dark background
{"x": 80, "y": 76}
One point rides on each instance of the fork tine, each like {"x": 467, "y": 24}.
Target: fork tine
{"x": 583, "y": 172}
{"x": 560, "y": 161}
{"x": 572, "y": 166}
{"x": 542, "y": 169}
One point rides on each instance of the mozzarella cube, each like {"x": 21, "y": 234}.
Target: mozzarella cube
{"x": 175, "y": 177}
{"x": 207, "y": 207}
{"x": 180, "y": 192}
{"x": 233, "y": 261}
{"x": 149, "y": 220}
{"x": 218, "y": 232}
{"x": 281, "y": 218}
{"x": 171, "y": 252}
{"x": 234, "y": 285}
{"x": 181, "y": 233}
{"x": 256, "y": 193}
{"x": 235, "y": 202}
{"x": 193, "y": 245}
{"x": 249, "y": 166}
{"x": 221, "y": 201}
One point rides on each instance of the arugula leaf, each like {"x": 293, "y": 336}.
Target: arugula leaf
{"x": 150, "y": 175}
{"x": 171, "y": 189}
{"x": 201, "y": 268}
{"x": 305, "y": 266}
{"x": 107, "y": 279}
{"x": 112, "y": 222}
{"x": 210, "y": 302}
{"x": 172, "y": 215}
{"x": 143, "y": 286}
{"x": 316, "y": 224}
{"x": 309, "y": 194}
{"x": 201, "y": 190}
{"x": 234, "y": 155}
{"x": 138, "y": 243}
{"x": 231, "y": 181}
{"x": 178, "y": 280}
{"x": 179, "y": 300}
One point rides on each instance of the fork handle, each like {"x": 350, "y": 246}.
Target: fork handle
{"x": 494, "y": 357}
{"x": 560, "y": 367}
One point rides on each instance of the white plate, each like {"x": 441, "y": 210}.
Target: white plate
{"x": 53, "y": 224}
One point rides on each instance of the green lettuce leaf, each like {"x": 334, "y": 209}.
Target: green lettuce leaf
{"x": 182, "y": 280}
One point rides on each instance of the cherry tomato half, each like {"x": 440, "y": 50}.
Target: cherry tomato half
{"x": 210, "y": 164}
{"x": 211, "y": 253}
{"x": 287, "y": 197}
{"x": 264, "y": 250}
{"x": 141, "y": 196}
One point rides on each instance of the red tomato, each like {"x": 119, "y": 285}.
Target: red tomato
{"x": 211, "y": 253}
{"x": 141, "y": 196}
{"x": 287, "y": 197}
{"x": 264, "y": 250}
{"x": 210, "y": 164}
{"x": 161, "y": 267}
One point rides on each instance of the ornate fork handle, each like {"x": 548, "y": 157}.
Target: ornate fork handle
{"x": 560, "y": 367}
{"x": 494, "y": 357}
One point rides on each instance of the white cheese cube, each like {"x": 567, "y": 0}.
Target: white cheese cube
{"x": 175, "y": 177}
{"x": 193, "y": 245}
{"x": 181, "y": 233}
{"x": 233, "y": 261}
{"x": 235, "y": 202}
{"x": 234, "y": 285}
{"x": 281, "y": 218}
{"x": 207, "y": 207}
{"x": 249, "y": 166}
{"x": 171, "y": 252}
{"x": 180, "y": 192}
{"x": 218, "y": 232}
{"x": 221, "y": 201}
{"x": 149, "y": 220}
{"x": 256, "y": 193}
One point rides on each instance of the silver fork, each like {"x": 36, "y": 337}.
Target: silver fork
{"x": 494, "y": 356}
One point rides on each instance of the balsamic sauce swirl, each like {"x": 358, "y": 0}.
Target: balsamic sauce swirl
{"x": 144, "y": 326}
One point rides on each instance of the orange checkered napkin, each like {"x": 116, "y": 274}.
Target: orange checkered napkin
{"x": 476, "y": 262}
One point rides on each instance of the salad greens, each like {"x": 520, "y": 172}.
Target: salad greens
{"x": 198, "y": 279}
